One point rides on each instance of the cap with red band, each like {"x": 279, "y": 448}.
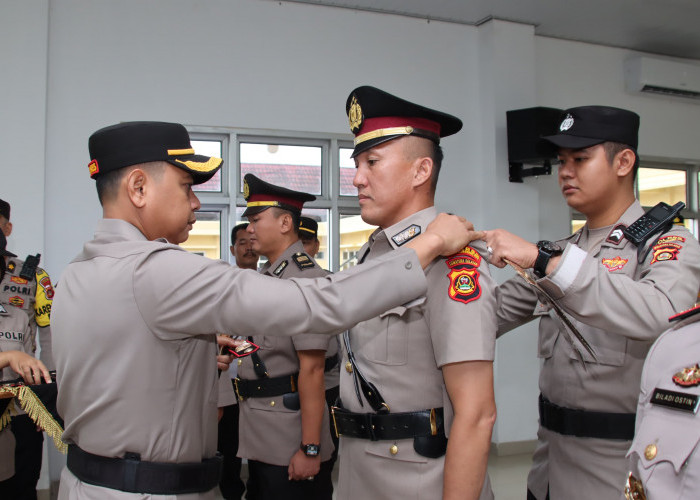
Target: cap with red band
{"x": 261, "y": 195}
{"x": 376, "y": 116}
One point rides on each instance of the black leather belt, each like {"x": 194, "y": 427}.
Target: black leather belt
{"x": 331, "y": 362}
{"x": 388, "y": 426}
{"x": 265, "y": 387}
{"x": 132, "y": 475}
{"x": 583, "y": 423}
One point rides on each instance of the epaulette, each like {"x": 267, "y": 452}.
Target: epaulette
{"x": 302, "y": 260}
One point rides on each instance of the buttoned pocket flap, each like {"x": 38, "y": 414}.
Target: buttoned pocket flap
{"x": 666, "y": 435}
{"x": 397, "y": 451}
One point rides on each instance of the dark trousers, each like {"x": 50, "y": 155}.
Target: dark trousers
{"x": 28, "y": 452}
{"x": 231, "y": 485}
{"x": 271, "y": 482}
{"x": 530, "y": 496}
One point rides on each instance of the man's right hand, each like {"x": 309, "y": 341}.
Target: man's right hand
{"x": 446, "y": 235}
{"x": 26, "y": 365}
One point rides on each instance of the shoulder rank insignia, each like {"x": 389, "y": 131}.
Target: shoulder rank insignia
{"x": 278, "y": 270}
{"x": 406, "y": 235}
{"x": 687, "y": 377}
{"x": 302, "y": 260}
{"x": 615, "y": 264}
{"x": 667, "y": 248}
{"x": 464, "y": 276}
{"x": 616, "y": 235}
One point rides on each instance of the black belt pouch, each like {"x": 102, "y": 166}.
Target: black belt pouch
{"x": 430, "y": 446}
{"x": 291, "y": 401}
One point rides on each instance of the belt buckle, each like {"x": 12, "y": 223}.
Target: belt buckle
{"x": 237, "y": 390}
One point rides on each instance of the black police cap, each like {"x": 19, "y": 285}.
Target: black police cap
{"x": 376, "y": 116}
{"x": 308, "y": 227}
{"x": 131, "y": 143}
{"x": 261, "y": 195}
{"x": 587, "y": 126}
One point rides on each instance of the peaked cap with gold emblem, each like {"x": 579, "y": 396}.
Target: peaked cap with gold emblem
{"x": 261, "y": 195}
{"x": 376, "y": 116}
{"x": 131, "y": 143}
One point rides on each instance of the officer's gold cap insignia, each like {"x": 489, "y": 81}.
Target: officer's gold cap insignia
{"x": 634, "y": 490}
{"x": 687, "y": 377}
{"x": 355, "y": 116}
{"x": 246, "y": 189}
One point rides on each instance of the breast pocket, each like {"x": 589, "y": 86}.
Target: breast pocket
{"x": 389, "y": 344}
{"x": 610, "y": 349}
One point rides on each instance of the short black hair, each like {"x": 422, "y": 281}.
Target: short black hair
{"x": 234, "y": 232}
{"x": 296, "y": 217}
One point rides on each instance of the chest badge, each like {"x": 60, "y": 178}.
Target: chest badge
{"x": 406, "y": 235}
{"x": 615, "y": 264}
{"x": 687, "y": 377}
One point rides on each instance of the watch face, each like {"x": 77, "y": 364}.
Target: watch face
{"x": 310, "y": 450}
{"x": 549, "y": 246}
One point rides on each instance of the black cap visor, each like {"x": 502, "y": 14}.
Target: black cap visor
{"x": 570, "y": 141}
{"x": 201, "y": 167}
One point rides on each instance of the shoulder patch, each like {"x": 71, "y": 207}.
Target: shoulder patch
{"x": 666, "y": 248}
{"x": 464, "y": 276}
{"x": 302, "y": 260}
{"x": 616, "y": 235}
{"x": 278, "y": 270}
{"x": 406, "y": 234}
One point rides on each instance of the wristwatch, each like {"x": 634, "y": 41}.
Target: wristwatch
{"x": 546, "y": 250}
{"x": 310, "y": 450}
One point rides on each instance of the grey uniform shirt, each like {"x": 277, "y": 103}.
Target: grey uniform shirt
{"x": 402, "y": 351}
{"x": 664, "y": 453}
{"x": 271, "y": 432}
{"x": 14, "y": 336}
{"x": 134, "y": 323}
{"x": 620, "y": 307}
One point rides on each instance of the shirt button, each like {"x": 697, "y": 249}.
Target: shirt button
{"x": 240, "y": 362}
{"x": 394, "y": 449}
{"x": 650, "y": 452}
{"x": 272, "y": 403}
{"x": 408, "y": 265}
{"x": 348, "y": 367}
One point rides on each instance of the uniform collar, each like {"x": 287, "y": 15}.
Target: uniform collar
{"x": 404, "y": 231}
{"x": 615, "y": 238}
{"x": 279, "y": 264}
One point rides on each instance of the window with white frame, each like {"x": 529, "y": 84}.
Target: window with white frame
{"x": 319, "y": 164}
{"x": 664, "y": 181}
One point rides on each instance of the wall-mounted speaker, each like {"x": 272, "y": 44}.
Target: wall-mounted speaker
{"x": 525, "y": 127}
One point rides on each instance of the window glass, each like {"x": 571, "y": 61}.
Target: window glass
{"x": 347, "y": 172}
{"x": 656, "y": 184}
{"x": 209, "y": 148}
{"x": 205, "y": 237}
{"x": 294, "y": 167}
{"x": 354, "y": 233}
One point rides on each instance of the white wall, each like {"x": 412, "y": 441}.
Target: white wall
{"x": 272, "y": 65}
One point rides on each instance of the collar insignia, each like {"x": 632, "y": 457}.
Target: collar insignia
{"x": 280, "y": 268}
{"x": 406, "y": 235}
{"x": 687, "y": 377}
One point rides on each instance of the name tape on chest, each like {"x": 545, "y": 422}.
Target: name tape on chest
{"x": 464, "y": 276}
{"x": 676, "y": 400}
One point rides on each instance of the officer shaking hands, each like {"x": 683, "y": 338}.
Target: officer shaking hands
{"x": 136, "y": 317}
{"x": 617, "y": 291}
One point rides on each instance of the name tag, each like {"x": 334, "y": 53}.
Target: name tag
{"x": 676, "y": 400}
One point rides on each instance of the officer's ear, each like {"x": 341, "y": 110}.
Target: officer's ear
{"x": 624, "y": 162}
{"x": 136, "y": 186}
{"x": 423, "y": 171}
{"x": 7, "y": 229}
{"x": 286, "y": 222}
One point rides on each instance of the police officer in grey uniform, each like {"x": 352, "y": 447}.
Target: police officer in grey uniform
{"x": 308, "y": 234}
{"x": 17, "y": 360}
{"x": 417, "y": 374}
{"x": 284, "y": 430}
{"x": 618, "y": 295}
{"x": 663, "y": 458}
{"x": 135, "y": 319}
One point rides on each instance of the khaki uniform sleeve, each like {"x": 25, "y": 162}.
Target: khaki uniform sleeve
{"x": 199, "y": 296}
{"x": 636, "y": 308}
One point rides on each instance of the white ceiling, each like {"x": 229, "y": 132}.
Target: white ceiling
{"x": 666, "y": 27}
